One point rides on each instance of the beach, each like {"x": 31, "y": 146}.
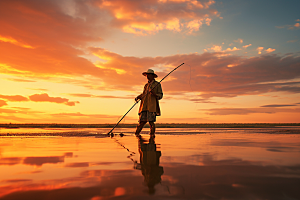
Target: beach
{"x": 178, "y": 163}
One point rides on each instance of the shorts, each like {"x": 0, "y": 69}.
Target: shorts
{"x": 146, "y": 116}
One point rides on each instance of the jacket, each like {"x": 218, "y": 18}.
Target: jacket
{"x": 150, "y": 102}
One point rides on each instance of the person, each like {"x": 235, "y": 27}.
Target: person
{"x": 149, "y": 107}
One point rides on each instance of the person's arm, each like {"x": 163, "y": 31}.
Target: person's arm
{"x": 157, "y": 92}
{"x": 141, "y": 95}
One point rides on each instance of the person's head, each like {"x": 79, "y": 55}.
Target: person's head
{"x": 150, "y": 74}
{"x": 150, "y": 77}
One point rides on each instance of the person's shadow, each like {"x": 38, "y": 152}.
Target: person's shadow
{"x": 149, "y": 162}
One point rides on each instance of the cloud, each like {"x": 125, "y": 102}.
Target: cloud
{"x": 78, "y": 114}
{"x": 217, "y": 48}
{"x": 246, "y": 111}
{"x": 239, "y": 40}
{"x": 10, "y": 160}
{"x": 13, "y": 41}
{"x": 259, "y": 49}
{"x": 20, "y": 80}
{"x": 292, "y": 41}
{"x": 290, "y": 27}
{"x": 13, "y": 97}
{"x": 101, "y": 96}
{"x": 278, "y": 105}
{"x": 269, "y": 50}
{"x": 246, "y": 46}
{"x": 2, "y": 103}
{"x": 149, "y": 17}
{"x": 233, "y": 49}
{"x": 45, "y": 98}
{"x": 213, "y": 74}
{"x": 58, "y": 31}
{"x": 81, "y": 164}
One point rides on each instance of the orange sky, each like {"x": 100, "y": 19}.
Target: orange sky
{"x": 81, "y": 61}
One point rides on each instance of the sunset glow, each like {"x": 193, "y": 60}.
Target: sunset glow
{"x": 82, "y": 61}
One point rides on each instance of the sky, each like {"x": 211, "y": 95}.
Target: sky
{"x": 81, "y": 61}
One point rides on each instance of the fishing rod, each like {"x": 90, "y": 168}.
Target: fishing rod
{"x": 142, "y": 98}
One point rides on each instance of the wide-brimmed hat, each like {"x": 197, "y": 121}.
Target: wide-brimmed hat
{"x": 150, "y": 71}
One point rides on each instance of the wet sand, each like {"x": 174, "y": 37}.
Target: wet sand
{"x": 176, "y": 164}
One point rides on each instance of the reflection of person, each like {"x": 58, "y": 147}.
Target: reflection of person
{"x": 149, "y": 107}
{"x": 149, "y": 163}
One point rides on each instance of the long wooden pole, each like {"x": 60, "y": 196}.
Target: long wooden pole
{"x": 142, "y": 98}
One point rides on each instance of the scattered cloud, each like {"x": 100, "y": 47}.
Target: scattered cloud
{"x": 45, "y": 98}
{"x": 233, "y": 49}
{"x": 259, "y": 49}
{"x": 149, "y": 17}
{"x": 290, "y": 27}
{"x": 246, "y": 46}
{"x": 269, "y": 50}
{"x": 217, "y": 48}
{"x": 239, "y": 40}
{"x": 13, "y": 97}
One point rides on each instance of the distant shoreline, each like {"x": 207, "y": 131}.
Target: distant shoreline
{"x": 158, "y": 125}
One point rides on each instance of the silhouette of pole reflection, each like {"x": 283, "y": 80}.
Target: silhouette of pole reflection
{"x": 149, "y": 162}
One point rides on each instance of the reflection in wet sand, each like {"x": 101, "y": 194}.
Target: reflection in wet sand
{"x": 203, "y": 166}
{"x": 149, "y": 162}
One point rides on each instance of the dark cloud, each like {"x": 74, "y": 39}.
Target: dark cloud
{"x": 82, "y": 164}
{"x": 246, "y": 111}
{"x": 278, "y": 105}
{"x": 17, "y": 180}
{"x": 14, "y": 97}
{"x": 10, "y": 160}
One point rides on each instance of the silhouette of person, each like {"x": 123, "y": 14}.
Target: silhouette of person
{"x": 149, "y": 162}
{"x": 149, "y": 107}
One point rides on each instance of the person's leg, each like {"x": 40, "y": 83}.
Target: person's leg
{"x": 152, "y": 128}
{"x": 140, "y": 127}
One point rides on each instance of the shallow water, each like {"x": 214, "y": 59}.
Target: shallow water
{"x": 176, "y": 164}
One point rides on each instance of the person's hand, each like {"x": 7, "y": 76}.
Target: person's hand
{"x": 137, "y": 98}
